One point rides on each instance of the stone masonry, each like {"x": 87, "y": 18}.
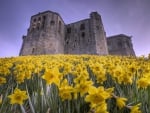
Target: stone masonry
{"x": 120, "y": 45}
{"x": 48, "y": 34}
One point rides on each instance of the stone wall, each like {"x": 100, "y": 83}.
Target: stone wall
{"x": 98, "y": 33}
{"x": 86, "y": 36}
{"x": 78, "y": 38}
{"x": 120, "y": 45}
{"x": 48, "y": 34}
{"x": 45, "y": 35}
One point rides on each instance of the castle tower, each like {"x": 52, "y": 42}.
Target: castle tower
{"x": 120, "y": 45}
{"x": 98, "y": 33}
{"x": 45, "y": 35}
{"x": 86, "y": 36}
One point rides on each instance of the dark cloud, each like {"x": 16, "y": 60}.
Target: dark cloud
{"x": 119, "y": 16}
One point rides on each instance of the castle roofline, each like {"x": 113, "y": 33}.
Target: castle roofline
{"x": 93, "y": 12}
{"x": 77, "y": 22}
{"x": 48, "y": 11}
{"x": 119, "y": 35}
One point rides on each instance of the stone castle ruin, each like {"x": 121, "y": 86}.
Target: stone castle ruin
{"x": 48, "y": 34}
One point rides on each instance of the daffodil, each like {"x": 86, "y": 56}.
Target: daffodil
{"x": 2, "y": 80}
{"x": 83, "y": 87}
{"x": 65, "y": 91}
{"x": 101, "y": 108}
{"x": 135, "y": 109}
{"x": 18, "y": 97}
{"x": 121, "y": 102}
{"x": 143, "y": 82}
{"x": 97, "y": 95}
{"x": 52, "y": 76}
{"x": 20, "y": 78}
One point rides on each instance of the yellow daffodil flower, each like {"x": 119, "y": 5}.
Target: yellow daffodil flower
{"x": 121, "y": 102}
{"x": 143, "y": 82}
{"x": 18, "y": 97}
{"x": 52, "y": 76}
{"x": 2, "y": 80}
{"x": 135, "y": 109}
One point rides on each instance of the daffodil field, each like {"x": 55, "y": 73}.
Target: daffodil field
{"x": 75, "y": 84}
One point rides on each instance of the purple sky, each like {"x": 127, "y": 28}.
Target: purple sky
{"x": 130, "y": 17}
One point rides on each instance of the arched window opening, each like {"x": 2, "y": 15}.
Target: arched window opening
{"x": 52, "y": 22}
{"x": 69, "y": 30}
{"x": 83, "y": 34}
{"x": 33, "y": 49}
{"x": 34, "y": 20}
{"x": 67, "y": 42}
{"x": 44, "y": 17}
{"x": 38, "y": 26}
{"x": 120, "y": 44}
{"x": 43, "y": 23}
{"x": 82, "y": 26}
{"x": 39, "y": 19}
{"x": 128, "y": 44}
{"x": 34, "y": 25}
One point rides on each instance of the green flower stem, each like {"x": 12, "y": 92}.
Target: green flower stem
{"x": 22, "y": 109}
{"x": 30, "y": 103}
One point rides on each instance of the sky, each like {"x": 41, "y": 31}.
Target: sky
{"x": 130, "y": 17}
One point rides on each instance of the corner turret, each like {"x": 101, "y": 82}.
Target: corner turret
{"x": 98, "y": 33}
{"x": 45, "y": 35}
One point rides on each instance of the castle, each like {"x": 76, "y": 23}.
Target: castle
{"x": 48, "y": 34}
